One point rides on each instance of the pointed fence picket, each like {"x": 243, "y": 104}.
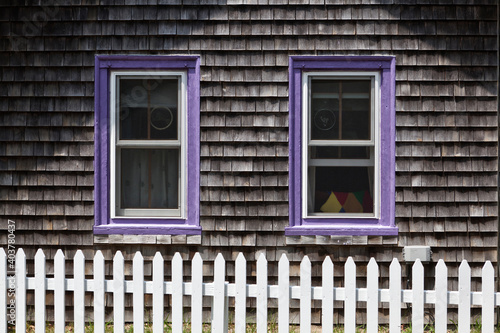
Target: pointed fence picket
{"x": 20, "y": 291}
{"x": 59, "y": 292}
{"x": 441, "y": 286}
{"x": 219, "y": 290}
{"x": 79, "y": 291}
{"x": 158, "y": 292}
{"x": 240, "y": 299}
{"x": 284, "y": 292}
{"x": 118, "y": 293}
{"x": 372, "y": 297}
{"x": 197, "y": 294}
{"x": 328, "y": 296}
{"x": 395, "y": 296}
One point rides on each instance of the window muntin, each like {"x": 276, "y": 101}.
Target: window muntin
{"x": 147, "y": 144}
{"x": 340, "y": 163}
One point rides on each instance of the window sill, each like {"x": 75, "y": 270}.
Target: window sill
{"x": 341, "y": 230}
{"x": 341, "y": 240}
{"x": 147, "y": 229}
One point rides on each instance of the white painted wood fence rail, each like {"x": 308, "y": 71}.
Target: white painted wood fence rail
{"x": 220, "y": 291}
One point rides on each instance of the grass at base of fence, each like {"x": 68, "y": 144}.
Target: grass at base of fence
{"x": 251, "y": 328}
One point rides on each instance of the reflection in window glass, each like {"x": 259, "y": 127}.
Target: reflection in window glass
{"x": 148, "y": 108}
{"x": 340, "y": 109}
{"x": 149, "y": 178}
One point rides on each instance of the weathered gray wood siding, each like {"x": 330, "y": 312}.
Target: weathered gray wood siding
{"x": 446, "y": 105}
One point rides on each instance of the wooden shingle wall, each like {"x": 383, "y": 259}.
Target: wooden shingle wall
{"x": 446, "y": 102}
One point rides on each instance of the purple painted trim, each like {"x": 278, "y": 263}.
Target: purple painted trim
{"x": 146, "y": 229}
{"x": 385, "y": 225}
{"x": 103, "y": 223}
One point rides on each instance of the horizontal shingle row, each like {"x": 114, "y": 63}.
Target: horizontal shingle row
{"x": 440, "y": 210}
{"x": 446, "y": 165}
{"x": 57, "y": 108}
{"x": 244, "y": 165}
{"x": 304, "y": 26}
{"x": 51, "y": 163}
{"x": 244, "y": 150}
{"x": 216, "y": 55}
{"x": 244, "y": 120}
{"x": 248, "y": 194}
{"x": 40, "y": 194}
{"x": 247, "y": 105}
{"x": 46, "y": 179}
{"x": 77, "y": 208}
{"x": 445, "y": 135}
{"x": 301, "y": 10}
{"x": 242, "y": 179}
{"x": 450, "y": 195}
{"x": 439, "y": 150}
{"x": 44, "y": 134}
{"x": 440, "y": 121}
{"x": 434, "y": 181}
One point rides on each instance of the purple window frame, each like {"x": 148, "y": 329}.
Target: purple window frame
{"x": 104, "y": 224}
{"x": 385, "y": 224}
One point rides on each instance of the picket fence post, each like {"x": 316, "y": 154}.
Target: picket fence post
{"x": 219, "y": 320}
{"x": 240, "y": 300}
{"x": 395, "y": 296}
{"x": 79, "y": 293}
{"x": 158, "y": 292}
{"x": 488, "y": 291}
{"x": 177, "y": 292}
{"x": 220, "y": 291}
{"x": 99, "y": 292}
{"x": 284, "y": 294}
{"x": 350, "y": 295}
{"x": 197, "y": 294}
{"x": 327, "y": 295}
{"x": 417, "y": 311}
{"x": 464, "y": 298}
{"x": 372, "y": 297}
{"x": 119, "y": 293}
{"x": 138, "y": 293}
{"x": 441, "y": 289}
{"x": 262, "y": 294}
{"x": 40, "y": 292}
{"x": 20, "y": 291}
{"x": 59, "y": 292}
{"x": 305, "y": 295}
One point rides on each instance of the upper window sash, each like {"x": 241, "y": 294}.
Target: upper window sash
{"x": 375, "y": 105}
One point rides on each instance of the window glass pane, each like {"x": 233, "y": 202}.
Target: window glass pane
{"x": 149, "y": 178}
{"x": 148, "y": 108}
{"x": 339, "y": 152}
{"x": 340, "y": 190}
{"x": 340, "y": 109}
{"x": 356, "y": 110}
{"x": 324, "y": 109}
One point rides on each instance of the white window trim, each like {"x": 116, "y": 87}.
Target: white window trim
{"x": 375, "y": 141}
{"x": 181, "y": 212}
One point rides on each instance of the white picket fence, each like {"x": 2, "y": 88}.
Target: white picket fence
{"x": 220, "y": 291}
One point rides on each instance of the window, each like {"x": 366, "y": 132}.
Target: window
{"x": 147, "y": 145}
{"x": 342, "y": 146}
